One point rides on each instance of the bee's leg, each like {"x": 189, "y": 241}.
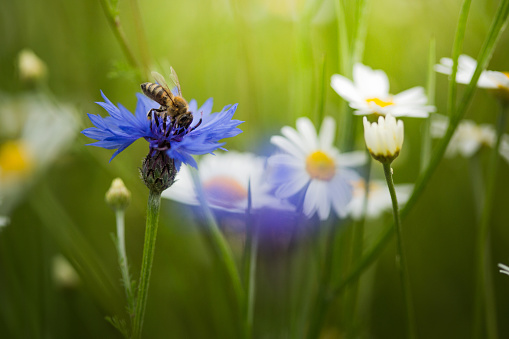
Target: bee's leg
{"x": 149, "y": 114}
{"x": 195, "y": 126}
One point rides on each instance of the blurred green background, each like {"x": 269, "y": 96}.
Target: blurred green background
{"x": 264, "y": 55}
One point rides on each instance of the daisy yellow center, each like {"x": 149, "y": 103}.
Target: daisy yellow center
{"x": 225, "y": 191}
{"x": 506, "y": 74}
{"x": 15, "y": 159}
{"x": 380, "y": 102}
{"x": 320, "y": 166}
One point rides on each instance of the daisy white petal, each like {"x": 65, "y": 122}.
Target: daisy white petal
{"x": 369, "y": 94}
{"x": 323, "y": 176}
{"x": 308, "y": 131}
{"x": 345, "y": 88}
{"x": 287, "y": 146}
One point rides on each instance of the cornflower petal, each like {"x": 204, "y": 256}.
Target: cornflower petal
{"x": 121, "y": 128}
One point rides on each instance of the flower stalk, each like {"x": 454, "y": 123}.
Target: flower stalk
{"x": 154, "y": 200}
{"x": 400, "y": 259}
{"x": 122, "y": 260}
{"x": 250, "y": 260}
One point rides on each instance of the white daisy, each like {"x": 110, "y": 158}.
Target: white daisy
{"x": 384, "y": 138}
{"x": 368, "y": 93}
{"x": 468, "y": 138}
{"x": 36, "y": 131}
{"x": 311, "y": 164}
{"x": 379, "y": 198}
{"x": 225, "y": 178}
{"x": 466, "y": 69}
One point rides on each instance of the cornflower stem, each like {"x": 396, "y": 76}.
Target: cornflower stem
{"x": 401, "y": 259}
{"x": 122, "y": 259}
{"x": 483, "y": 288}
{"x": 154, "y": 200}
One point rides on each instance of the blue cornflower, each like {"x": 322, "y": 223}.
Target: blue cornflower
{"x": 121, "y": 128}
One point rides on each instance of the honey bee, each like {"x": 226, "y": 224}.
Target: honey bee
{"x": 174, "y": 106}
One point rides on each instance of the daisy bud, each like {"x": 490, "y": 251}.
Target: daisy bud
{"x": 118, "y": 196}
{"x": 31, "y": 68}
{"x": 158, "y": 171}
{"x": 384, "y": 139}
{"x": 64, "y": 275}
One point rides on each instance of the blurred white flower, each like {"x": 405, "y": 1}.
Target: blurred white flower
{"x": 468, "y": 137}
{"x": 36, "y": 131}
{"x": 385, "y": 138}
{"x": 379, "y": 198}
{"x": 225, "y": 178}
{"x": 311, "y": 164}
{"x": 503, "y": 269}
{"x": 466, "y": 69}
{"x": 368, "y": 93}
{"x": 31, "y": 68}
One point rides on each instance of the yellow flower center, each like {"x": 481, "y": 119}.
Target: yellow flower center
{"x": 506, "y": 74}
{"x": 379, "y": 102}
{"x": 15, "y": 159}
{"x": 320, "y": 166}
{"x": 224, "y": 191}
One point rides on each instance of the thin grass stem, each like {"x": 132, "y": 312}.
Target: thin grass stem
{"x": 483, "y": 289}
{"x": 222, "y": 247}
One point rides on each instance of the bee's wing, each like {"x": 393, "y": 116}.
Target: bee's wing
{"x": 160, "y": 80}
{"x": 175, "y": 79}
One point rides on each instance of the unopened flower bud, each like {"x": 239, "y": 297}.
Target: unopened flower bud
{"x": 118, "y": 196}
{"x": 31, "y": 68}
{"x": 385, "y": 138}
{"x": 158, "y": 171}
{"x": 64, "y": 274}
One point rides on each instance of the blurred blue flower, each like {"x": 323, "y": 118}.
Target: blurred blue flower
{"x": 121, "y": 128}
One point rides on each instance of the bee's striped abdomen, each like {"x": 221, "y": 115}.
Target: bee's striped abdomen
{"x": 155, "y": 92}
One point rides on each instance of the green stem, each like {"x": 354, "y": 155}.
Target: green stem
{"x": 221, "y": 245}
{"x": 115, "y": 24}
{"x": 322, "y": 302}
{"x": 358, "y": 245}
{"x": 401, "y": 259}
{"x": 122, "y": 259}
{"x": 483, "y": 289}
{"x": 430, "y": 92}
{"x": 250, "y": 258}
{"x": 456, "y": 50}
{"x": 476, "y": 180}
{"x": 250, "y": 278}
{"x": 141, "y": 37}
{"x": 154, "y": 200}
